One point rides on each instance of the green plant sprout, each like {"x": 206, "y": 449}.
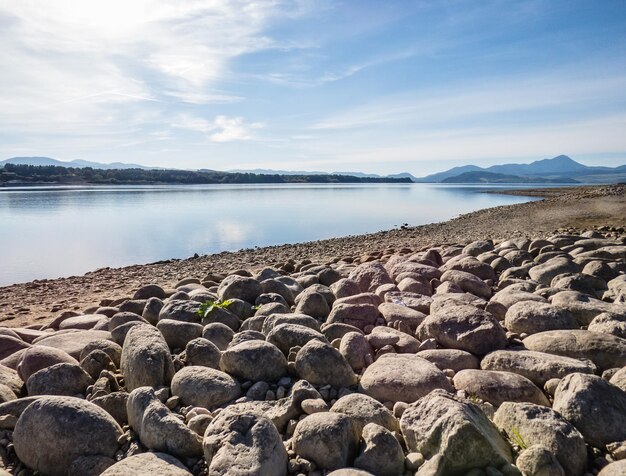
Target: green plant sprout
{"x": 517, "y": 438}
{"x": 208, "y": 305}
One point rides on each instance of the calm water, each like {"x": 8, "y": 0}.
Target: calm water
{"x": 48, "y": 232}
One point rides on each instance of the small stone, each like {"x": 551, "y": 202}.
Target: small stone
{"x": 413, "y": 461}
{"x": 314, "y": 405}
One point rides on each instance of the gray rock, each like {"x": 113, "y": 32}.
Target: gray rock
{"x": 465, "y": 328}
{"x": 6, "y": 394}
{"x": 218, "y": 333}
{"x": 90, "y": 465}
{"x": 86, "y": 321}
{"x": 322, "y": 364}
{"x": 424, "y": 270}
{"x": 537, "y": 460}
{"x": 345, "y": 287}
{"x": 328, "y": 439}
{"x": 617, "y": 468}
{"x": 417, "y": 302}
{"x": 53, "y": 432}
{"x": 158, "y": 428}
{"x": 277, "y": 287}
{"x": 245, "y": 336}
{"x": 450, "y": 359}
{"x": 178, "y": 333}
{"x": 72, "y": 342}
{"x": 402, "y": 378}
{"x": 609, "y": 323}
{"x": 337, "y": 331}
{"x": 582, "y": 306}
{"x": 313, "y": 304}
{"x": 400, "y": 313}
{"x": 368, "y": 276}
{"x": 254, "y": 360}
{"x": 152, "y": 310}
{"x": 356, "y": 350}
{"x": 357, "y": 315}
{"x": 604, "y": 350}
{"x": 380, "y": 452}
{"x": 364, "y": 409}
{"x": 115, "y": 405}
{"x": 594, "y": 406}
{"x": 544, "y": 273}
{"x": 217, "y": 314}
{"x": 241, "y": 287}
{"x": 497, "y": 387}
{"x": 39, "y": 357}
{"x": 146, "y": 359}
{"x": 203, "y": 352}
{"x": 204, "y": 387}
{"x": 148, "y": 464}
{"x": 539, "y": 425}
{"x": 468, "y": 283}
{"x": 619, "y": 379}
{"x": 538, "y": 367}
{"x": 274, "y": 320}
{"x": 531, "y": 317}
{"x": 404, "y": 343}
{"x": 457, "y": 430}
{"x": 286, "y": 336}
{"x": 59, "y": 379}
{"x": 243, "y": 444}
{"x": 113, "y": 350}
{"x": 180, "y": 310}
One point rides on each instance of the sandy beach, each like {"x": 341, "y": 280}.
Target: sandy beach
{"x": 562, "y": 209}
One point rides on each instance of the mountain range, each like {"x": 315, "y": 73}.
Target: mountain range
{"x": 560, "y": 169}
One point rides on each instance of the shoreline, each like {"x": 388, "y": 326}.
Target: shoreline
{"x": 565, "y": 209}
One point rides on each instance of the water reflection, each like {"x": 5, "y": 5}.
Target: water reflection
{"x": 51, "y": 232}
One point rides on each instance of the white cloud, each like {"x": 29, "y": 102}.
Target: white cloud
{"x": 220, "y": 129}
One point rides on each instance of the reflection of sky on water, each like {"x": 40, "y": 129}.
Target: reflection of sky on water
{"x": 50, "y": 232}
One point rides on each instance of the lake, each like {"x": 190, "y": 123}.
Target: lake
{"x": 49, "y": 232}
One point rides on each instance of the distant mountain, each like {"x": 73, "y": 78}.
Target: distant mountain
{"x": 490, "y": 177}
{"x": 42, "y": 161}
{"x": 557, "y": 169}
{"x": 301, "y": 172}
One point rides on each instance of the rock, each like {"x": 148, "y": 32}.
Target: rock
{"x": 539, "y": 425}
{"x": 90, "y": 465}
{"x": 411, "y": 285}
{"x": 158, "y": 428}
{"x": 369, "y": 276}
{"x": 218, "y": 333}
{"x": 476, "y": 248}
{"x": 114, "y": 404}
{"x": 380, "y": 452}
{"x": 426, "y": 271}
{"x": 465, "y": 328}
{"x": 152, "y": 309}
{"x": 59, "y": 379}
{"x": 357, "y": 315}
{"x": 328, "y": 439}
{"x": 204, "y": 387}
{"x": 217, "y": 314}
{"x": 404, "y": 343}
{"x": 614, "y": 469}
{"x": 314, "y": 405}
{"x": 118, "y": 335}
{"x": 537, "y": 460}
{"x": 604, "y": 350}
{"x": 286, "y": 336}
{"x": 544, "y": 273}
{"x": 53, "y": 432}
{"x": 313, "y": 304}
{"x": 86, "y": 321}
{"x": 497, "y": 387}
{"x": 337, "y": 331}
{"x": 346, "y": 287}
{"x": 582, "y": 306}
{"x": 245, "y": 336}
{"x": 274, "y": 320}
{"x": 594, "y": 406}
{"x": 450, "y": 359}
{"x": 180, "y": 310}
{"x": 178, "y": 333}
{"x": 414, "y": 301}
{"x": 148, "y": 464}
{"x": 73, "y": 342}
{"x": 203, "y": 352}
{"x": 39, "y": 357}
{"x": 364, "y": 409}
{"x": 457, "y": 430}
{"x": 243, "y": 444}
{"x": 241, "y": 287}
{"x": 619, "y": 379}
{"x": 467, "y": 282}
{"x": 277, "y": 287}
{"x": 113, "y": 350}
{"x": 6, "y": 394}
{"x": 400, "y": 313}
{"x": 11, "y": 379}
{"x": 402, "y": 377}
{"x": 146, "y": 359}
{"x": 322, "y": 364}
{"x": 148, "y": 291}
{"x": 538, "y": 367}
{"x": 356, "y": 350}
{"x": 609, "y": 323}
{"x": 531, "y": 317}
{"x": 255, "y": 360}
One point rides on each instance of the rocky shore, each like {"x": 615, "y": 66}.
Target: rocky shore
{"x": 483, "y": 357}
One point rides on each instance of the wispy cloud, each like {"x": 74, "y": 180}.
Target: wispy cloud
{"x": 220, "y": 129}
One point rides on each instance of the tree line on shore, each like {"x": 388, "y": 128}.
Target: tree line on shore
{"x": 13, "y": 174}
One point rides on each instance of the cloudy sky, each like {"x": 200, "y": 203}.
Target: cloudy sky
{"x": 374, "y": 86}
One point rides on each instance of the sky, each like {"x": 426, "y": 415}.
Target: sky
{"x": 314, "y": 85}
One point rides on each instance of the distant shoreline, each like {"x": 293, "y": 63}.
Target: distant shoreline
{"x": 564, "y": 210}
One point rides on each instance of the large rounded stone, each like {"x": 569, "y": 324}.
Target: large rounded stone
{"x": 328, "y": 439}
{"x": 180, "y": 310}
{"x": 368, "y": 276}
{"x": 544, "y": 273}
{"x": 39, "y": 357}
{"x": 497, "y": 387}
{"x": 286, "y": 336}
{"x": 540, "y": 425}
{"x": 204, "y": 387}
{"x": 203, "y": 352}
{"x": 450, "y": 359}
{"x": 53, "y": 432}
{"x": 467, "y": 282}
{"x": 380, "y": 453}
{"x": 402, "y": 378}
{"x": 59, "y": 379}
{"x": 364, "y": 409}
{"x": 243, "y": 444}
{"x": 177, "y": 333}
{"x": 148, "y": 464}
{"x": 530, "y": 317}
{"x": 146, "y": 358}
{"x": 255, "y": 360}
{"x": 72, "y": 342}
{"x": 321, "y": 364}
{"x": 241, "y": 287}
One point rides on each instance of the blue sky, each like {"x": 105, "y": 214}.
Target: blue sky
{"x": 372, "y": 86}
